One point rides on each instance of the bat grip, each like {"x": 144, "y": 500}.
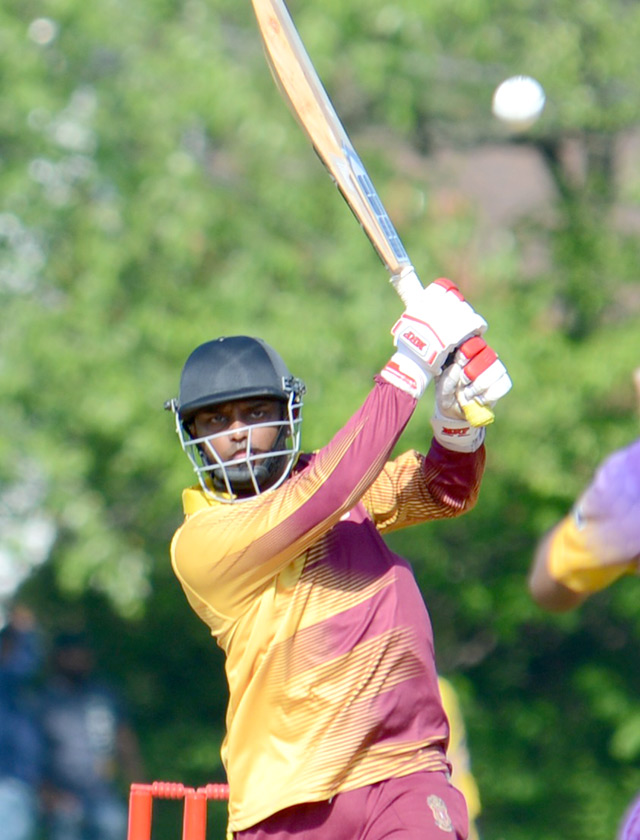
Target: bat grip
{"x": 407, "y": 284}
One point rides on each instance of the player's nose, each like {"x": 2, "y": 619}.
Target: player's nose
{"x": 237, "y": 429}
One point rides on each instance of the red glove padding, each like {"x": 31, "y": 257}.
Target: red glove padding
{"x": 476, "y": 375}
{"x": 466, "y": 391}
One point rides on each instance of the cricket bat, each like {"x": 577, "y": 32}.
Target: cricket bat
{"x": 301, "y": 87}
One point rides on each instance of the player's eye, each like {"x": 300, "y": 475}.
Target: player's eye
{"x": 213, "y": 422}
{"x": 262, "y": 413}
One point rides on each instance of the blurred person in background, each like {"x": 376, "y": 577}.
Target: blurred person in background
{"x": 630, "y": 828}
{"x": 458, "y": 753}
{"x": 91, "y": 750}
{"x": 594, "y": 545}
{"x": 598, "y": 541}
{"x": 21, "y": 655}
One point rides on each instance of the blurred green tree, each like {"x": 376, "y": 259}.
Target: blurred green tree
{"x": 155, "y": 193}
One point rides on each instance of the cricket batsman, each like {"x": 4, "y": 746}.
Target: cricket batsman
{"x": 335, "y": 728}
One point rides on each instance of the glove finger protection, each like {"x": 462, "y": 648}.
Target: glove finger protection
{"x": 437, "y": 321}
{"x": 476, "y": 376}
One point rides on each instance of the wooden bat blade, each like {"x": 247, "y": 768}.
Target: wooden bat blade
{"x": 301, "y": 87}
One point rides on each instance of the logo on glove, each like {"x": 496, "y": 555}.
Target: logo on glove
{"x": 420, "y": 344}
{"x": 447, "y": 430}
{"x": 414, "y": 339}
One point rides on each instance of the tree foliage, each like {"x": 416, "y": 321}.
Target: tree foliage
{"x": 156, "y": 193}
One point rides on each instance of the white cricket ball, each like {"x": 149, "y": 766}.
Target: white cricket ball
{"x": 518, "y": 102}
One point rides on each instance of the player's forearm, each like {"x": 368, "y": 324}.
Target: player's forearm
{"x": 545, "y": 590}
{"x": 453, "y": 478}
{"x": 598, "y": 542}
{"x": 565, "y": 571}
{"x": 415, "y": 488}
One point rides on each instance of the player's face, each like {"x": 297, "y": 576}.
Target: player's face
{"x": 234, "y": 421}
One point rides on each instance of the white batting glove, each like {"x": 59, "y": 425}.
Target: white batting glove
{"x": 475, "y": 378}
{"x": 476, "y": 375}
{"x": 436, "y": 321}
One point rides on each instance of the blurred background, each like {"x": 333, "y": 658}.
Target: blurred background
{"x": 155, "y": 193}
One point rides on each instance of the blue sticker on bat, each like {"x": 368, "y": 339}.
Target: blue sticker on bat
{"x": 373, "y": 199}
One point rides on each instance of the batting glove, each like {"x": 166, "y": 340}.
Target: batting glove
{"x": 437, "y": 321}
{"x": 473, "y": 382}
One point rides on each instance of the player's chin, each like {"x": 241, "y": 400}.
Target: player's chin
{"x": 261, "y": 472}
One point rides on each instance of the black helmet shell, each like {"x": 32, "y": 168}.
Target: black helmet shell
{"x": 232, "y": 368}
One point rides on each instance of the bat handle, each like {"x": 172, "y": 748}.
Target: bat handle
{"x": 407, "y": 284}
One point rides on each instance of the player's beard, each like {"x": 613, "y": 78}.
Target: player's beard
{"x": 265, "y": 471}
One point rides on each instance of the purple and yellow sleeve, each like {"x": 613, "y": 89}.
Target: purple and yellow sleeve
{"x": 575, "y": 566}
{"x": 599, "y": 541}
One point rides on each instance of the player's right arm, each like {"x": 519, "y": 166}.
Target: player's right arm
{"x": 416, "y": 488}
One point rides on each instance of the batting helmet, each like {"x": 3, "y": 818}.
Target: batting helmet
{"x": 238, "y": 368}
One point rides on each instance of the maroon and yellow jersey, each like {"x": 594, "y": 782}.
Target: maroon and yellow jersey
{"x": 328, "y": 643}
